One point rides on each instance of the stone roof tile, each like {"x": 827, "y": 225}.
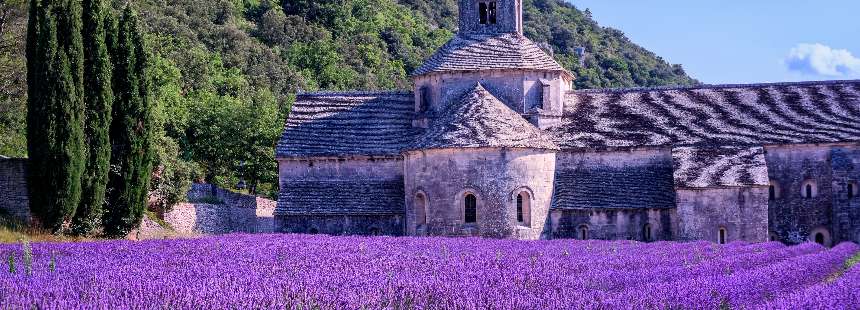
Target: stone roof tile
{"x": 341, "y": 197}
{"x": 350, "y": 123}
{"x": 479, "y": 119}
{"x": 719, "y": 167}
{"x": 711, "y": 115}
{"x": 473, "y": 52}
{"x": 647, "y": 187}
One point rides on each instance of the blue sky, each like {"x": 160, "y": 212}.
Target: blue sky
{"x": 734, "y": 41}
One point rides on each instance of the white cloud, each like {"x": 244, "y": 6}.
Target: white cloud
{"x": 820, "y": 59}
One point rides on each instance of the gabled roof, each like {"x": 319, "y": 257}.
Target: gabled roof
{"x": 479, "y": 119}
{"x": 648, "y": 186}
{"x": 472, "y": 52}
{"x": 712, "y": 115}
{"x": 348, "y": 123}
{"x": 341, "y": 197}
{"x": 719, "y": 167}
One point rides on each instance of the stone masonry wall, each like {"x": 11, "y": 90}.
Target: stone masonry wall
{"x": 845, "y": 163}
{"x": 237, "y": 213}
{"x": 742, "y": 211}
{"x": 495, "y": 176}
{"x": 354, "y": 169}
{"x": 13, "y": 188}
{"x": 623, "y": 224}
{"x": 793, "y": 216}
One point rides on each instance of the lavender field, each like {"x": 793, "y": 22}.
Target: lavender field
{"x": 320, "y": 272}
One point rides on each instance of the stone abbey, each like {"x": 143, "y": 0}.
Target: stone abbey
{"x": 494, "y": 142}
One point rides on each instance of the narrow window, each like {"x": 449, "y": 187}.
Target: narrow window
{"x": 520, "y": 208}
{"x": 492, "y": 13}
{"x": 646, "y": 232}
{"x": 583, "y": 232}
{"x": 471, "y": 215}
{"x": 420, "y": 210}
{"x": 819, "y": 238}
{"x": 482, "y": 13}
{"x": 424, "y": 103}
{"x": 808, "y": 190}
{"x": 772, "y": 193}
{"x": 722, "y": 238}
{"x": 851, "y": 190}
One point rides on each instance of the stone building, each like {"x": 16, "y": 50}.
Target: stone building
{"x": 494, "y": 142}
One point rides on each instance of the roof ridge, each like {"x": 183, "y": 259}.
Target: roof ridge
{"x": 711, "y": 86}
{"x": 352, "y": 92}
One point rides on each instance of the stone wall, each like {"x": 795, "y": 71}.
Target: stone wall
{"x": 343, "y": 225}
{"x": 845, "y": 163}
{"x": 620, "y": 224}
{"x": 614, "y": 195}
{"x": 234, "y": 213}
{"x": 794, "y": 216}
{"x": 741, "y": 211}
{"x": 356, "y": 214}
{"x": 13, "y": 188}
{"x": 494, "y": 176}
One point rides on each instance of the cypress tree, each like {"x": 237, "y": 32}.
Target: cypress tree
{"x": 55, "y": 116}
{"x": 98, "y": 97}
{"x": 131, "y": 130}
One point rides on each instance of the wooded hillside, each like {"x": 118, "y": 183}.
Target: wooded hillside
{"x": 225, "y": 71}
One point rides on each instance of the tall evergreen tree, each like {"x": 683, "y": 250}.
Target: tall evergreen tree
{"x": 131, "y": 130}
{"x": 55, "y": 116}
{"x": 98, "y": 97}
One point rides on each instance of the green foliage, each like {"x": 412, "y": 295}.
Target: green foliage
{"x": 224, "y": 72}
{"x": 132, "y": 130}
{"x": 55, "y": 117}
{"x": 13, "y": 85}
{"x": 98, "y": 96}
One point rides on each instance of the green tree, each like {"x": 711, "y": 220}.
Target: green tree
{"x": 55, "y": 117}
{"x": 98, "y": 96}
{"x": 13, "y": 87}
{"x": 132, "y": 130}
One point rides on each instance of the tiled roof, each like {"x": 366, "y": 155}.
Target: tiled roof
{"x": 721, "y": 115}
{"x": 472, "y": 52}
{"x": 615, "y": 188}
{"x": 719, "y": 167}
{"x": 480, "y": 120}
{"x": 357, "y": 123}
{"x": 353, "y": 197}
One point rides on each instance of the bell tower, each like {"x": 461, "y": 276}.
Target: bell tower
{"x": 491, "y": 16}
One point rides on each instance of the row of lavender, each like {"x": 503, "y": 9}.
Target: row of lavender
{"x": 297, "y": 271}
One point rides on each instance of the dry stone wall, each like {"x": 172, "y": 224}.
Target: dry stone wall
{"x": 221, "y": 211}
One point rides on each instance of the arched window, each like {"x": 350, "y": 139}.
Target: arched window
{"x": 420, "y": 209}
{"x": 809, "y": 189}
{"x": 646, "y": 232}
{"x": 773, "y": 190}
{"x": 722, "y": 237}
{"x": 471, "y": 209}
{"x": 524, "y": 209}
{"x": 820, "y": 235}
{"x": 583, "y": 232}
{"x": 487, "y": 12}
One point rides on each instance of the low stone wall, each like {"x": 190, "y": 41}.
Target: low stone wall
{"x": 234, "y": 213}
{"x": 13, "y": 188}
